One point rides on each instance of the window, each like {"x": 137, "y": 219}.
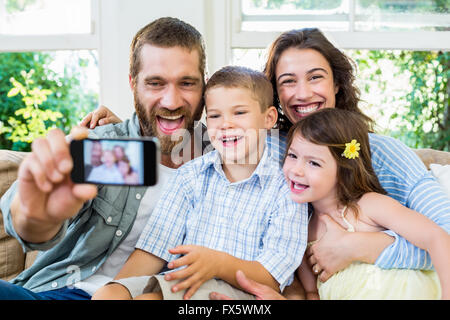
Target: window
{"x": 45, "y": 17}
{"x": 49, "y": 48}
{"x": 29, "y": 25}
{"x": 401, "y": 48}
{"x": 352, "y": 24}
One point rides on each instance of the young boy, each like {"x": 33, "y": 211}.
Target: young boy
{"x": 227, "y": 210}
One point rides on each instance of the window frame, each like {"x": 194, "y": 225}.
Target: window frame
{"x": 26, "y": 43}
{"x": 372, "y": 40}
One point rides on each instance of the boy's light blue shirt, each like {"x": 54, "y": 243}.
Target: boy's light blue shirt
{"x": 254, "y": 219}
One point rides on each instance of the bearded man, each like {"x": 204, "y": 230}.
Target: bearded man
{"x": 87, "y": 232}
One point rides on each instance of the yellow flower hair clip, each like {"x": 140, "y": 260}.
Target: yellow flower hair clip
{"x": 351, "y": 150}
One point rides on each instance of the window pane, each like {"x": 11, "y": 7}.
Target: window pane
{"x": 250, "y": 58}
{"x": 398, "y": 15}
{"x": 68, "y": 81}
{"x": 45, "y": 17}
{"x": 281, "y": 15}
{"x": 334, "y": 15}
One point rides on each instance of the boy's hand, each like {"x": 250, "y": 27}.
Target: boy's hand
{"x": 202, "y": 264}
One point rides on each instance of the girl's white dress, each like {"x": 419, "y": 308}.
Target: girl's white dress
{"x": 362, "y": 281}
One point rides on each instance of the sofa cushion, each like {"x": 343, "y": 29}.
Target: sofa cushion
{"x": 12, "y": 257}
{"x": 442, "y": 174}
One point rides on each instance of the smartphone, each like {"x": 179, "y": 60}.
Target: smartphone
{"x": 118, "y": 162}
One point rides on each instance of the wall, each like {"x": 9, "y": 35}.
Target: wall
{"x": 119, "y": 21}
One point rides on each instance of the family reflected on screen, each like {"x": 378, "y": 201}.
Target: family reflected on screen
{"x": 112, "y": 163}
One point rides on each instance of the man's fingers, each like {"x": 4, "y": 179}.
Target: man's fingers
{"x": 218, "y": 296}
{"x": 44, "y": 157}
{"x": 31, "y": 170}
{"x": 60, "y": 151}
{"x": 247, "y": 284}
{"x": 84, "y": 192}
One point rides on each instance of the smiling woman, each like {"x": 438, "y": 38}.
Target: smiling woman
{"x": 310, "y": 88}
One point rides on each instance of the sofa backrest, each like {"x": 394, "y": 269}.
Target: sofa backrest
{"x": 12, "y": 257}
{"x": 13, "y": 260}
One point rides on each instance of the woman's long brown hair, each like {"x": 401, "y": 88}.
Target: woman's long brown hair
{"x": 342, "y": 67}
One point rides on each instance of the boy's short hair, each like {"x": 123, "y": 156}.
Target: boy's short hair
{"x": 244, "y": 78}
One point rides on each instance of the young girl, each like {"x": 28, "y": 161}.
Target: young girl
{"x": 328, "y": 164}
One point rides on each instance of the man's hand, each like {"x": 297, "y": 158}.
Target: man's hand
{"x": 260, "y": 291}
{"x": 46, "y": 195}
{"x": 99, "y": 117}
{"x": 202, "y": 264}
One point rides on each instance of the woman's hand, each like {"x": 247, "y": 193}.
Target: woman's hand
{"x": 333, "y": 252}
{"x": 338, "y": 248}
{"x": 99, "y": 117}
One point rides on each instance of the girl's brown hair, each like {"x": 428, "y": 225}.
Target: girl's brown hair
{"x": 334, "y": 128}
{"x": 342, "y": 66}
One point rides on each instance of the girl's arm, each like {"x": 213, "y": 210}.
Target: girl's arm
{"x": 308, "y": 280}
{"x": 295, "y": 290}
{"x": 416, "y": 228}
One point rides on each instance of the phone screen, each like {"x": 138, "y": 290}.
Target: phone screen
{"x": 114, "y": 162}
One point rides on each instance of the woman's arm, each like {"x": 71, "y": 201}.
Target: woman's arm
{"x": 403, "y": 175}
{"x": 308, "y": 280}
{"x": 338, "y": 248}
{"x": 429, "y": 199}
{"x": 419, "y": 230}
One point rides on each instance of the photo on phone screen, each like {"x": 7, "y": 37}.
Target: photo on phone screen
{"x": 113, "y": 162}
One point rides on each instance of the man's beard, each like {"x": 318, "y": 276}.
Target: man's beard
{"x": 149, "y": 126}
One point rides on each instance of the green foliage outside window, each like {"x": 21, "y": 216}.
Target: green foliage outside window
{"x": 31, "y": 121}
{"x": 419, "y": 115}
{"x": 67, "y": 97}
